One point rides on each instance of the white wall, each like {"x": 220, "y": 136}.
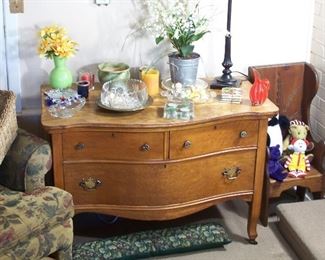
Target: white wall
{"x": 318, "y": 60}
{"x": 3, "y": 64}
{"x": 263, "y": 32}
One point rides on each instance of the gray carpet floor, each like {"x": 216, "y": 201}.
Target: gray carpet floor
{"x": 232, "y": 214}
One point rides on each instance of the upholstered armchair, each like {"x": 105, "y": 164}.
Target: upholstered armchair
{"x": 35, "y": 220}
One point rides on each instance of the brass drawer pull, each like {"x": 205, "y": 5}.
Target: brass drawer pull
{"x": 145, "y": 147}
{"x": 90, "y": 183}
{"x": 243, "y": 134}
{"x": 79, "y": 146}
{"x": 231, "y": 173}
{"x": 187, "y": 144}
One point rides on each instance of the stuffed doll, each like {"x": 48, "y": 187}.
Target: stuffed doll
{"x": 274, "y": 166}
{"x": 297, "y": 163}
{"x": 297, "y": 130}
{"x": 277, "y": 129}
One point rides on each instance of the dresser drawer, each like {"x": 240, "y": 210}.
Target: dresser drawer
{"x": 208, "y": 177}
{"x": 113, "y": 146}
{"x": 158, "y": 185}
{"x": 203, "y": 140}
{"x": 117, "y": 184}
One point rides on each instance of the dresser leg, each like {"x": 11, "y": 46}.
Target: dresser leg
{"x": 252, "y": 222}
{"x": 252, "y": 241}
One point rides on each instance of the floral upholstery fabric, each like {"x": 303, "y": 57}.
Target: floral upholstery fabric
{"x": 58, "y": 238}
{"x": 35, "y": 220}
{"x": 26, "y": 163}
{"x": 27, "y": 221}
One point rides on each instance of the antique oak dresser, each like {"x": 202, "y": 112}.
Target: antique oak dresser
{"x": 139, "y": 165}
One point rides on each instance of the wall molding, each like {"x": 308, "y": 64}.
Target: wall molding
{"x": 3, "y": 59}
{"x": 11, "y": 63}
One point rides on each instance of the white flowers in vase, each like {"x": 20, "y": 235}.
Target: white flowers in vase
{"x": 179, "y": 22}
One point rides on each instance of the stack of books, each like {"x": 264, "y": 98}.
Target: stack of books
{"x": 231, "y": 95}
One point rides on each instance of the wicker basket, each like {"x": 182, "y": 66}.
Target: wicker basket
{"x": 8, "y": 121}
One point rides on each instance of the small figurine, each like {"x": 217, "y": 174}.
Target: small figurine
{"x": 297, "y": 163}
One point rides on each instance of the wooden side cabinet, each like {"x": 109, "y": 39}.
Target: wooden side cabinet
{"x": 142, "y": 166}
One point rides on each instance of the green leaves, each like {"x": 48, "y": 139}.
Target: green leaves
{"x": 186, "y": 50}
{"x": 183, "y": 43}
{"x": 159, "y": 39}
{"x": 198, "y": 36}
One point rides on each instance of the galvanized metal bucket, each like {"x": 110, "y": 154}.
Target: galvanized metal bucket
{"x": 183, "y": 70}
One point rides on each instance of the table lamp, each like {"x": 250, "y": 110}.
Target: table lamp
{"x": 226, "y": 80}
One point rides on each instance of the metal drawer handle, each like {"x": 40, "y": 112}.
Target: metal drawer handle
{"x": 231, "y": 173}
{"x": 90, "y": 183}
{"x": 187, "y": 144}
{"x": 145, "y": 147}
{"x": 243, "y": 134}
{"x": 79, "y": 146}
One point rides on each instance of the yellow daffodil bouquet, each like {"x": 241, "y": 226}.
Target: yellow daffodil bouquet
{"x": 55, "y": 42}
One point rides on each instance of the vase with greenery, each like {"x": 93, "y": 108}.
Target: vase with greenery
{"x": 180, "y": 23}
{"x": 55, "y": 44}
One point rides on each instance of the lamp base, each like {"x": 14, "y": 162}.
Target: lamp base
{"x": 222, "y": 82}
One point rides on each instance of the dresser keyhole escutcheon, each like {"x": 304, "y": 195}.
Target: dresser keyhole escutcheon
{"x": 90, "y": 183}
{"x": 231, "y": 174}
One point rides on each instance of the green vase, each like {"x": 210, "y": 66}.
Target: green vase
{"x": 60, "y": 76}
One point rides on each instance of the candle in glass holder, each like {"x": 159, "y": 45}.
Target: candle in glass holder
{"x": 87, "y": 76}
{"x": 151, "y": 79}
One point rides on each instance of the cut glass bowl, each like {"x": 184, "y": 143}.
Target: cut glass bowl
{"x": 63, "y": 103}
{"x": 124, "y": 95}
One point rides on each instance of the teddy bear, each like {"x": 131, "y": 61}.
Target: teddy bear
{"x": 297, "y": 130}
{"x": 297, "y": 163}
{"x": 274, "y": 166}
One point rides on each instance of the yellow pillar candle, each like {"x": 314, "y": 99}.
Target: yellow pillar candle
{"x": 151, "y": 78}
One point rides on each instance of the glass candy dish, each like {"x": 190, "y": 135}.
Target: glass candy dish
{"x": 124, "y": 95}
{"x": 197, "y": 92}
{"x": 63, "y": 103}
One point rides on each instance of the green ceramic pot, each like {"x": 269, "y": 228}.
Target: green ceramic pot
{"x": 113, "y": 71}
{"x": 60, "y": 76}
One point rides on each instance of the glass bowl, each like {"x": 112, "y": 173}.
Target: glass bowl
{"x": 63, "y": 103}
{"x": 198, "y": 92}
{"x": 127, "y": 94}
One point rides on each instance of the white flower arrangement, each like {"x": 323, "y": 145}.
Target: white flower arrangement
{"x": 176, "y": 22}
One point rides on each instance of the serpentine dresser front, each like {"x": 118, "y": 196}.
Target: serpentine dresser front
{"x": 141, "y": 166}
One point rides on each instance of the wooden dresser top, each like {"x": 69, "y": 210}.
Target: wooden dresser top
{"x": 152, "y": 117}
